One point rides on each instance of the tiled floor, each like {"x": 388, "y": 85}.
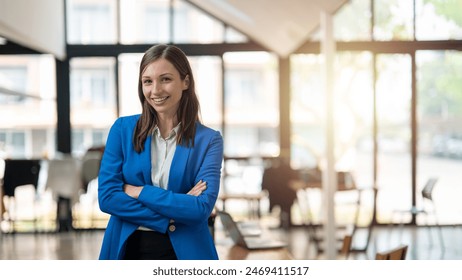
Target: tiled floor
{"x": 85, "y": 245}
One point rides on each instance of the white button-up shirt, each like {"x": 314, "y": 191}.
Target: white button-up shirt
{"x": 162, "y": 151}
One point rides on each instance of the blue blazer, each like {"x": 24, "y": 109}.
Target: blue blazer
{"x": 155, "y": 207}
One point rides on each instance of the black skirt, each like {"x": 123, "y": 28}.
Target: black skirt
{"x": 149, "y": 245}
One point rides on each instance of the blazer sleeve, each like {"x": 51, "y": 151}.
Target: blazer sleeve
{"x": 111, "y": 197}
{"x": 185, "y": 208}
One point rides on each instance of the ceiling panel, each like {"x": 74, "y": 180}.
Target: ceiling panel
{"x": 280, "y": 26}
{"x": 38, "y": 25}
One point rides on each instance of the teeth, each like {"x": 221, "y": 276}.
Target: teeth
{"x": 160, "y": 99}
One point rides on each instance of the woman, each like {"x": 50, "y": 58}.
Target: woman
{"x": 160, "y": 172}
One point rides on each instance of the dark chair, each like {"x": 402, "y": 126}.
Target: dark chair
{"x": 276, "y": 181}
{"x": 19, "y": 172}
{"x": 397, "y": 253}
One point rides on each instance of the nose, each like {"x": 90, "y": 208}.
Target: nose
{"x": 155, "y": 87}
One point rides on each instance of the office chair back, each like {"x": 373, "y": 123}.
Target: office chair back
{"x": 90, "y": 171}
{"x": 345, "y": 181}
{"x": 63, "y": 178}
{"x": 20, "y": 172}
{"x": 428, "y": 207}
{"x": 427, "y": 191}
{"x": 397, "y": 253}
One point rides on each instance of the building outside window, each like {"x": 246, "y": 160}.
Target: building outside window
{"x": 93, "y": 101}
{"x": 27, "y": 85}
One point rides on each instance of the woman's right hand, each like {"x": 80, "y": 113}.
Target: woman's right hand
{"x": 198, "y": 188}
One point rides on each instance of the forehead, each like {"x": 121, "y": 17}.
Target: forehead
{"x": 159, "y": 67}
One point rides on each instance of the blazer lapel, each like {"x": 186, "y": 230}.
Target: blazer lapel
{"x": 178, "y": 168}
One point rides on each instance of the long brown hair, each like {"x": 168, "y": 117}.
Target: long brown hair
{"x": 188, "y": 110}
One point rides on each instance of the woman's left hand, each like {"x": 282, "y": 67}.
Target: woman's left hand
{"x": 132, "y": 191}
{"x": 198, "y": 188}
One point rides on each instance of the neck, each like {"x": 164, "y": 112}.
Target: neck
{"x": 166, "y": 125}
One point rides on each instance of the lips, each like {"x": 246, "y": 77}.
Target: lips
{"x": 159, "y": 100}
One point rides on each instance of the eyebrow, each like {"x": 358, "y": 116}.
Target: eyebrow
{"x": 161, "y": 75}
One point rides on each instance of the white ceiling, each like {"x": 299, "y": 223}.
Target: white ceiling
{"x": 38, "y": 25}
{"x": 279, "y": 25}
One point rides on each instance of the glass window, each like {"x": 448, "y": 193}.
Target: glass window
{"x": 251, "y": 120}
{"x": 208, "y": 78}
{"x": 13, "y": 83}
{"x": 354, "y": 115}
{"x": 91, "y": 22}
{"x": 353, "y": 130}
{"x": 439, "y": 131}
{"x": 353, "y": 21}
{"x": 129, "y": 101}
{"x": 13, "y": 144}
{"x": 78, "y": 141}
{"x": 93, "y": 98}
{"x": 98, "y": 137}
{"x": 18, "y": 143}
{"x": 307, "y": 109}
{"x": 3, "y": 147}
{"x": 353, "y": 103}
{"x": 144, "y": 21}
{"x": 393, "y": 20}
{"x": 193, "y": 26}
{"x": 27, "y": 92}
{"x": 251, "y": 104}
{"x": 438, "y": 20}
{"x": 394, "y": 134}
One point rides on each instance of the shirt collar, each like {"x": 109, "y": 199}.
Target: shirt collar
{"x": 172, "y": 133}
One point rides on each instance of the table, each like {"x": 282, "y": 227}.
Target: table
{"x": 227, "y": 250}
{"x": 253, "y": 201}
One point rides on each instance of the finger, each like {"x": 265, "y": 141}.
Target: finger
{"x": 195, "y": 193}
{"x": 198, "y": 188}
{"x": 202, "y": 186}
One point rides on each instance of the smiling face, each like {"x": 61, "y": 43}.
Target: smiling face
{"x": 163, "y": 87}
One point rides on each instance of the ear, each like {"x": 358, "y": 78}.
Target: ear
{"x": 186, "y": 82}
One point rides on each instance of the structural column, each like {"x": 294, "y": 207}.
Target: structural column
{"x": 284, "y": 105}
{"x": 63, "y": 107}
{"x": 329, "y": 178}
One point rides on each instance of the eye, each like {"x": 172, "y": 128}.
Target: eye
{"x": 146, "y": 82}
{"x": 165, "y": 79}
